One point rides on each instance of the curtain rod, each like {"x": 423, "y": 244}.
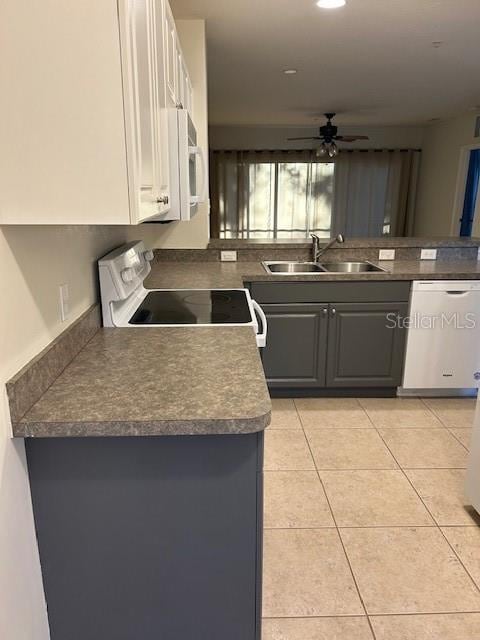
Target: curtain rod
{"x": 312, "y": 150}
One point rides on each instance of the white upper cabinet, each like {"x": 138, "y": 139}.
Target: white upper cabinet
{"x": 170, "y": 56}
{"x": 144, "y": 76}
{"x": 83, "y": 121}
{"x": 184, "y": 86}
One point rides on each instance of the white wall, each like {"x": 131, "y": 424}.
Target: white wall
{"x": 195, "y": 233}
{"x": 34, "y": 261}
{"x": 247, "y": 137}
{"x": 438, "y": 174}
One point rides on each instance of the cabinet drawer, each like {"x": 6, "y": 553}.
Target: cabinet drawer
{"x": 327, "y": 292}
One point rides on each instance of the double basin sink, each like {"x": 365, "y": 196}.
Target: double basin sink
{"x": 299, "y": 268}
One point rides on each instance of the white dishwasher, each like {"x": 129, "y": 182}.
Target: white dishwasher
{"x": 443, "y": 343}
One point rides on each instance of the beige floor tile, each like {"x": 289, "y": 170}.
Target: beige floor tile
{"x": 295, "y": 499}
{"x": 373, "y": 498}
{"x": 388, "y": 413}
{"x": 306, "y": 574}
{"x": 355, "y": 628}
{"x": 443, "y": 492}
{"x": 287, "y": 450}
{"x": 284, "y": 414}
{"x": 425, "y": 448}
{"x": 349, "y": 449}
{"x": 455, "y": 626}
{"x": 318, "y": 413}
{"x": 466, "y": 543}
{"x": 462, "y": 435}
{"x": 407, "y": 570}
{"x": 453, "y": 412}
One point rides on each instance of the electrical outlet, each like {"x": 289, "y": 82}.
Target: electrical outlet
{"x": 228, "y": 256}
{"x": 428, "y": 254}
{"x": 64, "y": 302}
{"x": 386, "y": 254}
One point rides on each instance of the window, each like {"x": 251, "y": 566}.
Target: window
{"x": 264, "y": 197}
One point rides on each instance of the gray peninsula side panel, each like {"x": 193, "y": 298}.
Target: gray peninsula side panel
{"x": 155, "y": 537}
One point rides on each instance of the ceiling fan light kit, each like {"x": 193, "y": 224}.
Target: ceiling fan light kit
{"x": 329, "y": 149}
{"x": 331, "y": 4}
{"x": 328, "y": 136}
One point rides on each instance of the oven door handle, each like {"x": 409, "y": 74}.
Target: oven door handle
{"x": 198, "y": 199}
{"x": 261, "y": 337}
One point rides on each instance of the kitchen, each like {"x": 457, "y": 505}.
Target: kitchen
{"x": 356, "y": 476}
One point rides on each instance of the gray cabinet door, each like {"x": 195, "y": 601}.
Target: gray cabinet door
{"x": 295, "y": 355}
{"x": 363, "y": 348}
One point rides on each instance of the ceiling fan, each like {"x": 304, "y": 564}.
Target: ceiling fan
{"x": 328, "y": 136}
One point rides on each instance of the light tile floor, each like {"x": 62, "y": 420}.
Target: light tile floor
{"x": 367, "y": 534}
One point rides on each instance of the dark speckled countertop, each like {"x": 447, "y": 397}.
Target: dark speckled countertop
{"x": 156, "y": 381}
{"x": 234, "y": 274}
{"x": 183, "y": 381}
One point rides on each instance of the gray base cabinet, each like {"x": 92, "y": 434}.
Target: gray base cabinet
{"x": 363, "y": 349}
{"x": 150, "y": 538}
{"x": 295, "y": 355}
{"x": 333, "y": 335}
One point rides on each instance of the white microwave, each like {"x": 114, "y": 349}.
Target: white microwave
{"x": 188, "y": 168}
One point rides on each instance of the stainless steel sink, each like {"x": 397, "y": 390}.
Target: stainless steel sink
{"x": 350, "y": 267}
{"x": 302, "y": 268}
{"x": 292, "y": 268}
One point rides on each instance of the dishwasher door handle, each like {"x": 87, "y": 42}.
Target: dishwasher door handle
{"x": 457, "y": 293}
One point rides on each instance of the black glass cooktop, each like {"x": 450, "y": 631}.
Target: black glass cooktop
{"x": 193, "y": 306}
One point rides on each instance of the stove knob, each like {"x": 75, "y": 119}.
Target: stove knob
{"x": 148, "y": 255}
{"x": 128, "y": 275}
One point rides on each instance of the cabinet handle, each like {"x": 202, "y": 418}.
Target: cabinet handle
{"x": 325, "y": 313}
{"x": 163, "y": 200}
{"x": 334, "y": 312}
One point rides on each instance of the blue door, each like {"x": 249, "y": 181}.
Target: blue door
{"x": 471, "y": 193}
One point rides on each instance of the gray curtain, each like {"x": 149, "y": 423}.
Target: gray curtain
{"x": 375, "y": 193}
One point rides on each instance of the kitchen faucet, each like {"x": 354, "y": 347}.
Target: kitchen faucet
{"x": 317, "y": 251}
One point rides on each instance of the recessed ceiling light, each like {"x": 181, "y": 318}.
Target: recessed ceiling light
{"x": 290, "y": 72}
{"x": 331, "y": 4}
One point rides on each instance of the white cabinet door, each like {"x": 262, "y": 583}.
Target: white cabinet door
{"x": 162, "y": 151}
{"x": 184, "y": 85}
{"x": 188, "y": 94}
{"x": 180, "y": 78}
{"x": 170, "y": 56}
{"x": 149, "y": 186}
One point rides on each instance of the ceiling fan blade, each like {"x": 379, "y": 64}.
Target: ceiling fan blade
{"x": 309, "y": 138}
{"x": 351, "y": 138}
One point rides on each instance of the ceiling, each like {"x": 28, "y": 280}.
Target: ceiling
{"x": 371, "y": 61}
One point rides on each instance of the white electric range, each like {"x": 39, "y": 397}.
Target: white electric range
{"x": 127, "y": 303}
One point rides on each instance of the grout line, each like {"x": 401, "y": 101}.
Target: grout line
{"x": 338, "y": 531}
{"x": 446, "y": 426}
{"x": 338, "y": 528}
{"x": 366, "y": 526}
{"x": 458, "y": 439}
{"x": 477, "y": 587}
{"x": 407, "y": 614}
